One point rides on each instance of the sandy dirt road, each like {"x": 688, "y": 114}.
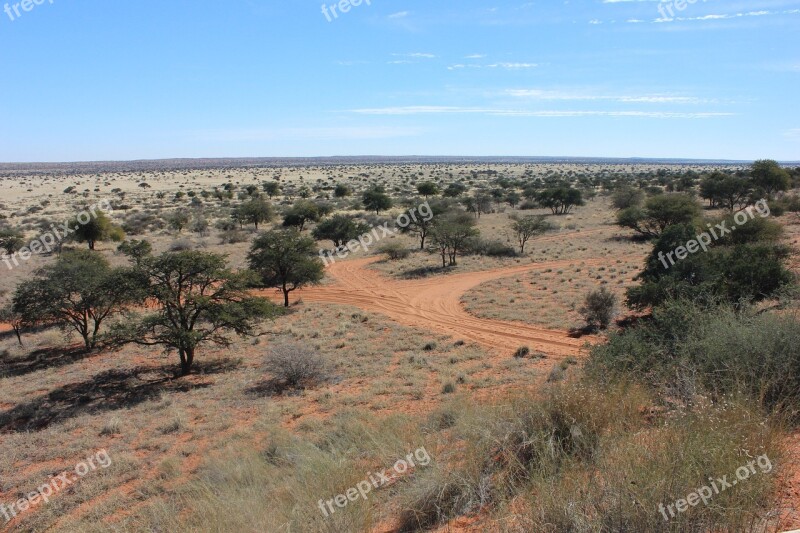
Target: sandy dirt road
{"x": 434, "y": 304}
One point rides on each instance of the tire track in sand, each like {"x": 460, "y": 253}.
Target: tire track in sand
{"x": 435, "y": 304}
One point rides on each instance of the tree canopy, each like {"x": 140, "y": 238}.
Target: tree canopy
{"x": 198, "y": 299}
{"x": 79, "y": 291}
{"x": 560, "y": 200}
{"x": 286, "y": 260}
{"x": 659, "y": 212}
{"x": 376, "y": 200}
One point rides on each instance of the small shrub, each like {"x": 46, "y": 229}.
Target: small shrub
{"x": 112, "y": 427}
{"x": 232, "y": 237}
{"x": 294, "y": 365}
{"x": 599, "y": 308}
{"x": 180, "y": 245}
{"x": 558, "y": 373}
{"x": 490, "y": 248}
{"x": 394, "y": 250}
{"x": 522, "y": 352}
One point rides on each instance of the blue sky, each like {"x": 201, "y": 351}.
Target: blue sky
{"x": 620, "y": 78}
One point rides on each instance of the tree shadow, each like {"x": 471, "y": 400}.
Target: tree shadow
{"x": 635, "y": 238}
{"x": 10, "y": 334}
{"x": 425, "y": 272}
{"x": 108, "y": 391}
{"x": 278, "y": 387}
{"x": 579, "y": 332}
{"x": 40, "y": 360}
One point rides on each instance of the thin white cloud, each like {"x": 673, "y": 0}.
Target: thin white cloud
{"x": 507, "y": 66}
{"x": 539, "y": 94}
{"x": 724, "y": 16}
{"x": 417, "y": 55}
{"x": 433, "y": 110}
{"x": 793, "y": 134}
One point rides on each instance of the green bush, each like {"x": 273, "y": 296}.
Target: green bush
{"x": 599, "y": 308}
{"x": 588, "y": 458}
{"x": 394, "y": 250}
{"x": 490, "y": 248}
{"x": 688, "y": 348}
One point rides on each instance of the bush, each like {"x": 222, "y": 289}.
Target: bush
{"x": 522, "y": 352}
{"x": 232, "y": 237}
{"x": 394, "y": 250}
{"x": 295, "y": 366}
{"x": 180, "y": 245}
{"x": 791, "y": 203}
{"x": 140, "y": 223}
{"x": 777, "y": 209}
{"x": 490, "y": 248}
{"x": 599, "y": 308}
{"x": 686, "y": 348}
{"x": 581, "y": 438}
{"x": 626, "y": 197}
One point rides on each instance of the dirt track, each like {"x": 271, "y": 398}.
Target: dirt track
{"x": 434, "y": 304}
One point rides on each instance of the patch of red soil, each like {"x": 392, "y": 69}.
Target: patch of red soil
{"x": 789, "y": 494}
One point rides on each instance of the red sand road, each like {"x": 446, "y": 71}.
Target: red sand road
{"x": 434, "y": 304}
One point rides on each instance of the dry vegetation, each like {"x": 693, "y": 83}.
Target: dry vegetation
{"x": 523, "y": 443}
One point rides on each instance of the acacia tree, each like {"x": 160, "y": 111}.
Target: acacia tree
{"x": 286, "y": 260}
{"x": 427, "y": 189}
{"x": 199, "y": 300}
{"x": 339, "y": 229}
{"x": 301, "y": 213}
{"x": 271, "y": 188}
{"x": 98, "y": 228}
{"x": 450, "y": 235}
{"x": 659, "y": 213}
{"x": 376, "y": 200}
{"x": 725, "y": 189}
{"x": 560, "y": 200}
{"x": 79, "y": 291}
{"x": 14, "y": 319}
{"x": 769, "y": 176}
{"x": 529, "y": 227}
{"x": 11, "y": 240}
{"x": 136, "y": 250}
{"x": 480, "y": 204}
{"x": 422, "y": 226}
{"x": 255, "y": 211}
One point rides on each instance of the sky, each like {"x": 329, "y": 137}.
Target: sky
{"x": 87, "y": 80}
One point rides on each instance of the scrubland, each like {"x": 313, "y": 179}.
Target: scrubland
{"x": 538, "y": 440}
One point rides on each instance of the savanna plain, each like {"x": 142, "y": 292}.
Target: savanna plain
{"x": 514, "y": 324}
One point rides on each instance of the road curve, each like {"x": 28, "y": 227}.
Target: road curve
{"x": 435, "y": 304}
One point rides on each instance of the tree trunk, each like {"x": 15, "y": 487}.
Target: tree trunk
{"x": 285, "y": 297}
{"x": 187, "y": 359}
{"x": 18, "y": 333}
{"x": 94, "y": 333}
{"x": 86, "y": 340}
